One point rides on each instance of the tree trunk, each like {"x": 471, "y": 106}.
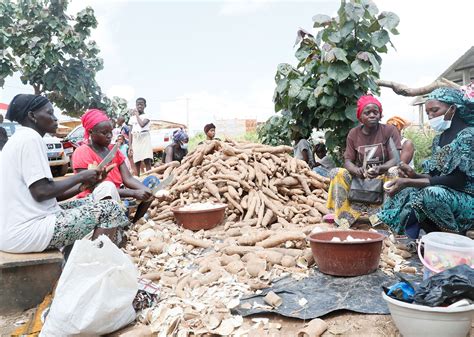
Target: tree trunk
{"x": 401, "y": 89}
{"x": 37, "y": 89}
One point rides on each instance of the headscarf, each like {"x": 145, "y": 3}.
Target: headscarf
{"x": 363, "y": 101}
{"x": 207, "y": 127}
{"x": 90, "y": 119}
{"x": 399, "y": 122}
{"x": 464, "y": 105}
{"x": 179, "y": 136}
{"x": 21, "y": 104}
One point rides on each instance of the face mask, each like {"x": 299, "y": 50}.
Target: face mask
{"x": 439, "y": 124}
{"x": 184, "y": 146}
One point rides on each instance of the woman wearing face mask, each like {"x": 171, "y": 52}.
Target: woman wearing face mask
{"x": 367, "y": 143}
{"x": 178, "y": 149}
{"x": 442, "y": 198}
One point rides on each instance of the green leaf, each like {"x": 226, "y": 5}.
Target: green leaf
{"x": 302, "y": 53}
{"x": 295, "y": 88}
{"x": 339, "y": 71}
{"x": 374, "y": 62}
{"x": 282, "y": 85}
{"x": 389, "y": 20}
{"x": 334, "y": 37}
{"x": 350, "y": 112}
{"x": 354, "y": 11}
{"x": 321, "y": 20}
{"x": 305, "y": 93}
{"x": 284, "y": 69}
{"x": 311, "y": 103}
{"x": 370, "y": 7}
{"x": 328, "y": 101}
{"x": 337, "y": 54}
{"x": 380, "y": 38}
{"x": 347, "y": 28}
{"x": 359, "y": 66}
{"x": 346, "y": 88}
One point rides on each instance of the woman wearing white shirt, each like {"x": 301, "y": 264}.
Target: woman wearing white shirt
{"x": 140, "y": 138}
{"x": 31, "y": 220}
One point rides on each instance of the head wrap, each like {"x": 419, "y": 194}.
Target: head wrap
{"x": 179, "y": 136}
{"x": 90, "y": 119}
{"x": 21, "y": 104}
{"x": 363, "y": 101}
{"x": 464, "y": 104}
{"x": 207, "y": 127}
{"x": 399, "y": 122}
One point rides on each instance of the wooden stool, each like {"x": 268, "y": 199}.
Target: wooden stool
{"x": 25, "y": 279}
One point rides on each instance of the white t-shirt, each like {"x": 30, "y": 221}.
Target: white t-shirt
{"x": 136, "y": 127}
{"x": 26, "y": 225}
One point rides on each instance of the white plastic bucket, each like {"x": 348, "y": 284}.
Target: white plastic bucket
{"x": 413, "y": 320}
{"x": 444, "y": 251}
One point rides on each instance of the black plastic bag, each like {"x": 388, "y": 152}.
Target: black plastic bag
{"x": 446, "y": 287}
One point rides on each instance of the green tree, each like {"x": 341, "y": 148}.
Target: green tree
{"x": 115, "y": 107}
{"x": 52, "y": 51}
{"x": 335, "y": 67}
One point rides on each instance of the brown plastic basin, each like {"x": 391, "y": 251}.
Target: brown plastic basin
{"x": 196, "y": 220}
{"x": 346, "y": 258}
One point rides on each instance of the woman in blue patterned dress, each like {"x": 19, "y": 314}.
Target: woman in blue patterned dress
{"x": 442, "y": 198}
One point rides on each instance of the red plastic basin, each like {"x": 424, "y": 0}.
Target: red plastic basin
{"x": 346, "y": 258}
{"x": 196, "y": 220}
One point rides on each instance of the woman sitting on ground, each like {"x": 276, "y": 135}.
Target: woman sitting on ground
{"x": 32, "y": 220}
{"x": 178, "y": 149}
{"x": 408, "y": 148}
{"x": 441, "y": 199}
{"x": 367, "y": 143}
{"x": 97, "y": 137}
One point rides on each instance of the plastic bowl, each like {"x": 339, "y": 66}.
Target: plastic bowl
{"x": 353, "y": 258}
{"x": 196, "y": 220}
{"x": 413, "y": 320}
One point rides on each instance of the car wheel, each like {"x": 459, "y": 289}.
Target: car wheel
{"x": 60, "y": 171}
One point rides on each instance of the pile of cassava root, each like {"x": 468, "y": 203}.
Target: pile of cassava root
{"x": 256, "y": 182}
{"x": 274, "y": 202}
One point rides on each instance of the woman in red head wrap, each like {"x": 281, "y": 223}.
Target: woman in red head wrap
{"x": 98, "y": 134}
{"x": 367, "y": 156}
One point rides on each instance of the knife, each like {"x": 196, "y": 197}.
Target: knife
{"x": 394, "y": 151}
{"x": 144, "y": 205}
{"x": 108, "y": 158}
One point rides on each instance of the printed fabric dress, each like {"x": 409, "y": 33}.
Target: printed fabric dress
{"x": 450, "y": 210}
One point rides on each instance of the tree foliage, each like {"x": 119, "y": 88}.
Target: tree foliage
{"x": 335, "y": 67}
{"x": 52, "y": 51}
{"x": 115, "y": 107}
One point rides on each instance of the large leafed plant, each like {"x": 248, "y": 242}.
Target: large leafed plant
{"x": 335, "y": 66}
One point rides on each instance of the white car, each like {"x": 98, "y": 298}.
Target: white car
{"x": 58, "y": 160}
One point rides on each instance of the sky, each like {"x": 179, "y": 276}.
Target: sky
{"x": 199, "y": 61}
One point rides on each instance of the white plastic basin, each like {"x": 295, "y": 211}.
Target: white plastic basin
{"x": 414, "y": 320}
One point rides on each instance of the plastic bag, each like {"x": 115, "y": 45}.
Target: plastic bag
{"x": 95, "y": 292}
{"x": 446, "y": 287}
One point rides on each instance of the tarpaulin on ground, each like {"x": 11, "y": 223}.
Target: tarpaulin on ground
{"x": 324, "y": 294}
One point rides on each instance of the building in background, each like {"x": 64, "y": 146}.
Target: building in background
{"x": 460, "y": 72}
{"x": 235, "y": 127}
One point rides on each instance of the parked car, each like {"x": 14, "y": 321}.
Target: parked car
{"x": 72, "y": 141}
{"x": 58, "y": 160}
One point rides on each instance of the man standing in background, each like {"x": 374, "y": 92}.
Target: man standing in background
{"x": 140, "y": 139}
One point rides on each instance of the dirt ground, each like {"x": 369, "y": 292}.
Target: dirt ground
{"x": 340, "y": 324}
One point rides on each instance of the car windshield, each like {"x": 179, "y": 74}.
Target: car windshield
{"x": 9, "y": 128}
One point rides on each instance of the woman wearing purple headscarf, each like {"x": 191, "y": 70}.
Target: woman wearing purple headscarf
{"x": 178, "y": 149}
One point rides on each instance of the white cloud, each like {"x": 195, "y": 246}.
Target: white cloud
{"x": 124, "y": 91}
{"x": 242, "y": 7}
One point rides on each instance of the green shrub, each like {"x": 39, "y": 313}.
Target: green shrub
{"x": 422, "y": 140}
